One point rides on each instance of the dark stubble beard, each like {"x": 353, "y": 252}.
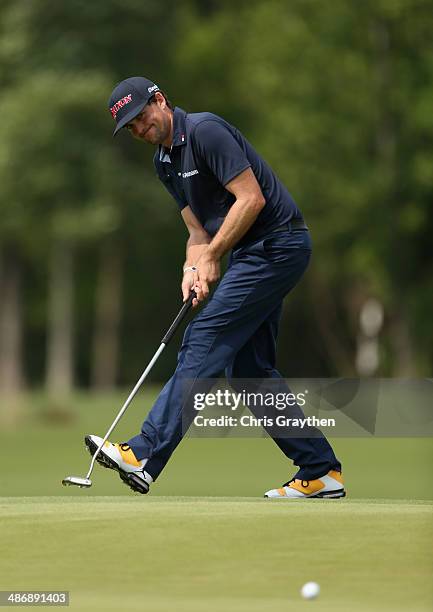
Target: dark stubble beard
{"x": 160, "y": 134}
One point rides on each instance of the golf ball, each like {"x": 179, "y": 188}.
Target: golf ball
{"x": 310, "y": 590}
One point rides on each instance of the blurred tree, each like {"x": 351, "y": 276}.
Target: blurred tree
{"x": 336, "y": 97}
{"x": 49, "y": 203}
{"x": 107, "y": 316}
{"x": 11, "y": 371}
{"x": 63, "y": 182}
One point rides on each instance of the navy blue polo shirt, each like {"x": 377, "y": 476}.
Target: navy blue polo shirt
{"x": 206, "y": 154}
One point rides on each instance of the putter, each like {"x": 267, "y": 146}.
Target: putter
{"x": 85, "y": 483}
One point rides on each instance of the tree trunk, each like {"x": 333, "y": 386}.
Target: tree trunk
{"x": 404, "y": 365}
{"x": 107, "y": 315}
{"x": 59, "y": 373}
{"x": 11, "y": 366}
{"x": 328, "y": 326}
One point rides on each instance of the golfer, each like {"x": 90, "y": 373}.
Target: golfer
{"x": 230, "y": 201}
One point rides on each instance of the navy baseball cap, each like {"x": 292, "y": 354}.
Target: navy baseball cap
{"x": 128, "y": 99}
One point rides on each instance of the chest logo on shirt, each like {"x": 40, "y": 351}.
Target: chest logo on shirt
{"x": 190, "y": 173}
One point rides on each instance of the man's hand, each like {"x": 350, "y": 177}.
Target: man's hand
{"x": 208, "y": 272}
{"x": 188, "y": 282}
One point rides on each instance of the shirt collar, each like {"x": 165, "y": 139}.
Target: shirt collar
{"x": 179, "y": 127}
{"x": 179, "y": 134}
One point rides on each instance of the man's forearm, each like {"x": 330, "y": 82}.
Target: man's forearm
{"x": 195, "y": 246}
{"x": 238, "y": 221}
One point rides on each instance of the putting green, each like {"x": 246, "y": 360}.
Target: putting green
{"x": 48, "y": 442}
{"x": 214, "y": 554}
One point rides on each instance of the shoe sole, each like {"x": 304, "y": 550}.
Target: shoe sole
{"x": 331, "y": 495}
{"x": 129, "y": 478}
{"x": 338, "y": 494}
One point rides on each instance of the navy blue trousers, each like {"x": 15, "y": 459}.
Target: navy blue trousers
{"x": 236, "y": 332}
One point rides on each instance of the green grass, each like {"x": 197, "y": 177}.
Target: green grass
{"x": 44, "y": 449}
{"x": 204, "y": 539}
{"x": 233, "y": 554}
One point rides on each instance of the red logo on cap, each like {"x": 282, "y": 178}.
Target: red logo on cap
{"x": 119, "y": 104}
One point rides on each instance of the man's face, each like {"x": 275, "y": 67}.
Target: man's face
{"x": 153, "y": 124}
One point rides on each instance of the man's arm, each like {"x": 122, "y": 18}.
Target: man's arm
{"x": 198, "y": 237}
{"x": 244, "y": 211}
{"x": 197, "y": 243}
{"x": 249, "y": 202}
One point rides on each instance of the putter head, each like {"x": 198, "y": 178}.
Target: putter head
{"x": 83, "y": 483}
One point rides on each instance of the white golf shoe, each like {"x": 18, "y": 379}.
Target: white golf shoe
{"x": 330, "y": 486}
{"x": 121, "y": 458}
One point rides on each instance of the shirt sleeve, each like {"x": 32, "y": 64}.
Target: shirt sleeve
{"x": 220, "y": 149}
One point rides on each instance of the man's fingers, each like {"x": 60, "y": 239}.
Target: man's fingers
{"x": 187, "y": 285}
{"x": 200, "y": 287}
{"x": 204, "y": 289}
{"x": 198, "y": 290}
{"x": 185, "y": 292}
{"x": 195, "y": 301}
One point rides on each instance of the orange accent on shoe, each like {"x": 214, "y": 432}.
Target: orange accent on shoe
{"x": 336, "y": 475}
{"x": 307, "y": 487}
{"x": 282, "y": 492}
{"x": 127, "y": 455}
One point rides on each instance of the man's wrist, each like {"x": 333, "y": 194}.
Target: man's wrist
{"x": 190, "y": 269}
{"x": 213, "y": 252}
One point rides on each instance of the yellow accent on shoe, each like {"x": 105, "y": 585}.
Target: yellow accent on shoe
{"x": 337, "y": 476}
{"x": 310, "y": 487}
{"x": 307, "y": 487}
{"x": 127, "y": 455}
{"x": 328, "y": 486}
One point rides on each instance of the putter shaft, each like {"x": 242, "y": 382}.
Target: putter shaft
{"x": 86, "y": 482}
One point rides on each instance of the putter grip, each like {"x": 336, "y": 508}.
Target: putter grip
{"x": 178, "y": 320}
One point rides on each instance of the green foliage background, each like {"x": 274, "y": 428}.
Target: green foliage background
{"x": 337, "y": 97}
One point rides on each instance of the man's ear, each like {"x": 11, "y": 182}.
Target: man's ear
{"x": 160, "y": 99}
